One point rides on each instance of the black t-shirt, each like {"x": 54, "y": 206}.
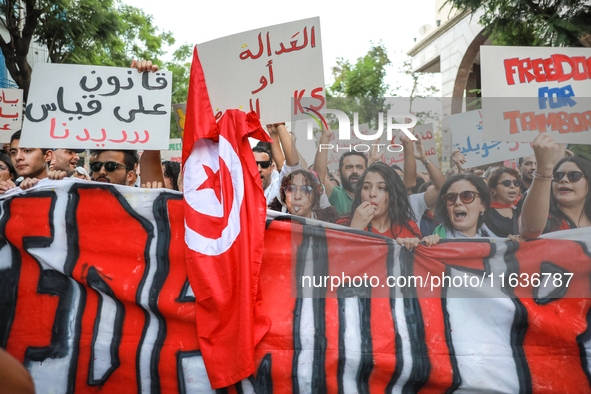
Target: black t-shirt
{"x": 501, "y": 225}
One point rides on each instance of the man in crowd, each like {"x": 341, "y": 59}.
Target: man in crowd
{"x": 65, "y": 160}
{"x": 114, "y": 166}
{"x": 264, "y": 163}
{"x": 527, "y": 166}
{"x": 29, "y": 162}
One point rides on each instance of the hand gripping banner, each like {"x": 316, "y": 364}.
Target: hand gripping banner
{"x": 94, "y": 297}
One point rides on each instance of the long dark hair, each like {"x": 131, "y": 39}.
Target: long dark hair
{"x": 6, "y": 160}
{"x": 556, "y": 215}
{"x": 441, "y": 207}
{"x": 172, "y": 170}
{"x": 327, "y": 214}
{"x": 493, "y": 181}
{"x": 399, "y": 210}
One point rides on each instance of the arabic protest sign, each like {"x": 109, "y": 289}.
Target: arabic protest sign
{"x": 466, "y": 132}
{"x": 90, "y": 107}
{"x": 265, "y": 69}
{"x": 174, "y": 151}
{"x": 11, "y": 109}
{"x": 392, "y": 154}
{"x": 531, "y": 90}
{"x": 180, "y": 111}
{"x": 83, "y": 323}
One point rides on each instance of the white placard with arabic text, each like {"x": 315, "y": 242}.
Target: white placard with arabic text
{"x": 11, "y": 110}
{"x": 391, "y": 155}
{"x": 174, "y": 151}
{"x": 265, "y": 69}
{"x": 94, "y": 107}
{"x": 466, "y": 131}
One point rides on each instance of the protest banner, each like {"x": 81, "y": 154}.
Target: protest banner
{"x": 391, "y": 155}
{"x": 531, "y": 90}
{"x": 174, "y": 151}
{"x": 90, "y": 107}
{"x": 264, "y": 69}
{"x": 84, "y": 323}
{"x": 466, "y": 132}
{"x": 11, "y": 109}
{"x": 179, "y": 114}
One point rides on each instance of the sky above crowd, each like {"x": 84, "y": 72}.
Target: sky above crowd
{"x": 347, "y": 28}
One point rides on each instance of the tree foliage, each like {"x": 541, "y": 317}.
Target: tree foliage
{"x": 100, "y": 32}
{"x": 533, "y": 22}
{"x": 180, "y": 65}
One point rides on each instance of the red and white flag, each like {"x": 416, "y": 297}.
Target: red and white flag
{"x": 225, "y": 212}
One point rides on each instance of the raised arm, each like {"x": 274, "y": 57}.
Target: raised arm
{"x": 410, "y": 165}
{"x": 289, "y": 150}
{"x": 458, "y": 159}
{"x": 435, "y": 173}
{"x": 321, "y": 160}
{"x": 150, "y": 162}
{"x": 275, "y": 146}
{"x": 536, "y": 206}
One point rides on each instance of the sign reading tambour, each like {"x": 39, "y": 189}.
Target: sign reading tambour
{"x": 531, "y": 90}
{"x": 466, "y": 131}
{"x": 264, "y": 70}
{"x": 73, "y": 106}
{"x": 11, "y": 109}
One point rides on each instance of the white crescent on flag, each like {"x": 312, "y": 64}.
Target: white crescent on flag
{"x": 213, "y": 185}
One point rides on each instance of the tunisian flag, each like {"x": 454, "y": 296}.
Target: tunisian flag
{"x": 225, "y": 212}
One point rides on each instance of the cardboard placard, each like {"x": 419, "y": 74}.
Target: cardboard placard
{"x": 390, "y": 155}
{"x": 174, "y": 151}
{"x": 265, "y": 69}
{"x": 90, "y": 107}
{"x": 466, "y": 130}
{"x": 180, "y": 110}
{"x": 531, "y": 90}
{"x": 11, "y": 110}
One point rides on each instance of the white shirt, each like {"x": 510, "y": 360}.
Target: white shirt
{"x": 418, "y": 206}
{"x": 273, "y": 188}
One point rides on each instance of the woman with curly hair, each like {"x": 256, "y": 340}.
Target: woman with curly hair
{"x": 302, "y": 194}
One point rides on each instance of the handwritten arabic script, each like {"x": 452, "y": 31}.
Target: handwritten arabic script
{"x": 72, "y": 106}
{"x": 261, "y": 70}
{"x": 11, "y": 104}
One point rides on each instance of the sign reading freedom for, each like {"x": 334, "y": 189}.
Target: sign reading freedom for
{"x": 97, "y": 300}
{"x": 263, "y": 70}
{"x": 466, "y": 131}
{"x": 11, "y": 109}
{"x": 93, "y": 107}
{"x": 392, "y": 150}
{"x": 531, "y": 90}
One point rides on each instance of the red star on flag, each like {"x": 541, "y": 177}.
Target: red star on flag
{"x": 212, "y": 182}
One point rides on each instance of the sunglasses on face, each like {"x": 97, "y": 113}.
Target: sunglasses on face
{"x": 466, "y": 197}
{"x": 264, "y": 164}
{"x": 572, "y": 176}
{"x": 507, "y": 183}
{"x": 110, "y": 166}
{"x": 306, "y": 189}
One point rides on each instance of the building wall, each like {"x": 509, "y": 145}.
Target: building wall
{"x": 453, "y": 50}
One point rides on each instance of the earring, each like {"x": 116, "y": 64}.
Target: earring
{"x": 481, "y": 213}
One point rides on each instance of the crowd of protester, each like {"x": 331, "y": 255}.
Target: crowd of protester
{"x": 549, "y": 191}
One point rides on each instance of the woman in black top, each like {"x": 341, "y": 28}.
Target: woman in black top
{"x": 506, "y": 202}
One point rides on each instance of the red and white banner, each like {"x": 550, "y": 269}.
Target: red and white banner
{"x": 95, "y": 297}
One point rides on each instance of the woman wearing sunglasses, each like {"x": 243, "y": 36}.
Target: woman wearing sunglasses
{"x": 301, "y": 194}
{"x": 461, "y": 207}
{"x": 381, "y": 206}
{"x": 506, "y": 202}
{"x": 559, "y": 197}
